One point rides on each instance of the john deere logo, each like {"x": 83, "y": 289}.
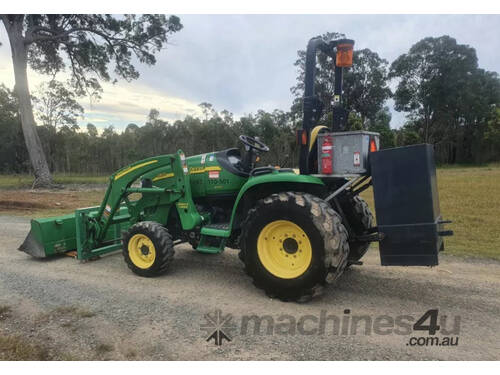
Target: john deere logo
{"x": 218, "y": 327}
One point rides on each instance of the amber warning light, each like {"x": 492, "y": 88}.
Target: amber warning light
{"x": 344, "y": 53}
{"x": 373, "y": 145}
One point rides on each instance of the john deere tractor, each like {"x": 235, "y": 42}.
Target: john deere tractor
{"x": 296, "y": 230}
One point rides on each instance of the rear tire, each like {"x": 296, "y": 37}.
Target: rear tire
{"x": 360, "y": 219}
{"x": 148, "y": 248}
{"x": 292, "y": 244}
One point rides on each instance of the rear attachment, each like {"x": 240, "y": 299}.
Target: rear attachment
{"x": 407, "y": 206}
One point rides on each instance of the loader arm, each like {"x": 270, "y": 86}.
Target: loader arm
{"x": 97, "y": 230}
{"x": 120, "y": 187}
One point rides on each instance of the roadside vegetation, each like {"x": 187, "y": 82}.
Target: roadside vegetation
{"x": 22, "y": 181}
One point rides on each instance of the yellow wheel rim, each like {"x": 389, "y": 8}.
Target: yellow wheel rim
{"x": 284, "y": 249}
{"x": 141, "y": 251}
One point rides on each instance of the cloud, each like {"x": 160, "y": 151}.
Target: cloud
{"x": 243, "y": 63}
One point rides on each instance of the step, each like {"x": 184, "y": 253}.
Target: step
{"x": 203, "y": 247}
{"x": 216, "y": 230}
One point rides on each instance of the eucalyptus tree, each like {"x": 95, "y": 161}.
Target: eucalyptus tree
{"x": 84, "y": 45}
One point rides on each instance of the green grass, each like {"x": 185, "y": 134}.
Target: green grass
{"x": 19, "y": 181}
{"x": 470, "y": 197}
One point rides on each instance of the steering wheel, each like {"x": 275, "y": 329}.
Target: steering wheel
{"x": 253, "y": 143}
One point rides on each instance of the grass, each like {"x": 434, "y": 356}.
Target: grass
{"x": 103, "y": 348}
{"x": 20, "y": 181}
{"x": 17, "y": 348}
{"x": 469, "y": 196}
{"x": 5, "y": 312}
{"x": 74, "y": 311}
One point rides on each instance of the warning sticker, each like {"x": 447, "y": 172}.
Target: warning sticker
{"x": 203, "y": 157}
{"x": 357, "y": 159}
{"x": 213, "y": 174}
{"x": 107, "y": 210}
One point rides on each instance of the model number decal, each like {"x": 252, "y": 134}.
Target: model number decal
{"x": 219, "y": 181}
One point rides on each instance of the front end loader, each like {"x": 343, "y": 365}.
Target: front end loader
{"x": 296, "y": 229}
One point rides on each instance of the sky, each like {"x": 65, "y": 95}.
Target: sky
{"x": 243, "y": 63}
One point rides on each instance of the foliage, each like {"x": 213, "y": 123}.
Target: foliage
{"x": 56, "y": 105}
{"x": 450, "y": 102}
{"x": 88, "y": 44}
{"x": 448, "y": 98}
{"x": 381, "y": 124}
{"x": 13, "y": 154}
{"x": 70, "y": 150}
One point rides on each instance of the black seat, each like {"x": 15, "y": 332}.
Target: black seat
{"x": 230, "y": 160}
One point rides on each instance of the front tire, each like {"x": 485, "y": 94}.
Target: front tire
{"x": 292, "y": 245}
{"x": 148, "y": 249}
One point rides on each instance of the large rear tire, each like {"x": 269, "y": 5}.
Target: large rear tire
{"x": 148, "y": 249}
{"x": 360, "y": 219}
{"x": 292, "y": 245}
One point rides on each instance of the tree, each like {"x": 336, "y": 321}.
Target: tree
{"x": 11, "y": 153}
{"x": 208, "y": 110}
{"x": 365, "y": 83}
{"x": 92, "y": 130}
{"x": 446, "y": 95}
{"x": 381, "y": 124}
{"x": 87, "y": 44}
{"x": 430, "y": 76}
{"x": 492, "y": 135}
{"x": 56, "y": 105}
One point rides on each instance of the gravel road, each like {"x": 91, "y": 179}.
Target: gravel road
{"x": 100, "y": 310}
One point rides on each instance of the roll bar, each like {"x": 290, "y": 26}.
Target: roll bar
{"x": 312, "y": 105}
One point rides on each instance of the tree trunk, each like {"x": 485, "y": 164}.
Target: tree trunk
{"x": 41, "y": 170}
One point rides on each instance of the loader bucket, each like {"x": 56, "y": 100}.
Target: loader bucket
{"x": 407, "y": 206}
{"x": 57, "y": 235}
{"x": 50, "y": 236}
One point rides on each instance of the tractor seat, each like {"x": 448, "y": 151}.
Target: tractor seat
{"x": 230, "y": 160}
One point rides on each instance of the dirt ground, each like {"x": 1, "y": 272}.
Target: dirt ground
{"x": 64, "y": 309}
{"x": 40, "y": 203}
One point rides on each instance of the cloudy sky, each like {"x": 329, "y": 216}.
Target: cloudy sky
{"x": 243, "y": 63}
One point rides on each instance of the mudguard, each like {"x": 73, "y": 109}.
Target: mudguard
{"x": 275, "y": 177}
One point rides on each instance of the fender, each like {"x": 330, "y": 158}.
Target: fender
{"x": 275, "y": 177}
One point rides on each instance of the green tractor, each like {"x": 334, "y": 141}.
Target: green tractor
{"x": 296, "y": 230}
